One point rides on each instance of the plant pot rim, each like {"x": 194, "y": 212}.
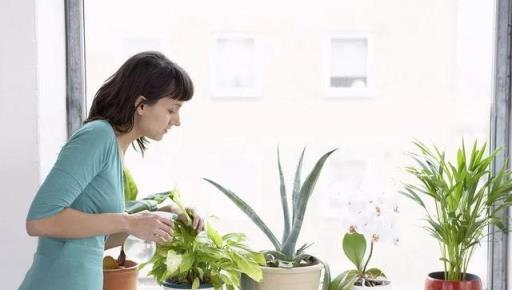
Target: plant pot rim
{"x": 126, "y": 269}
{"x": 302, "y": 269}
{"x": 384, "y": 284}
{"x": 170, "y": 283}
{"x": 436, "y": 276}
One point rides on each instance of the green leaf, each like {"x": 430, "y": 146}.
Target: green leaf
{"x": 214, "y": 235}
{"x": 305, "y": 193}
{"x": 344, "y": 281}
{"x": 375, "y": 273}
{"x": 129, "y": 185}
{"x": 259, "y": 258}
{"x": 186, "y": 263}
{"x": 196, "y": 283}
{"x": 284, "y": 199}
{"x": 297, "y": 184}
{"x": 253, "y": 271}
{"x": 354, "y": 246}
{"x": 248, "y": 211}
{"x": 327, "y": 276}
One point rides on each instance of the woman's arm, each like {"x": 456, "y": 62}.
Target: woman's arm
{"x": 73, "y": 224}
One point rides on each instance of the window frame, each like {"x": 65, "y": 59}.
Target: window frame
{"x": 370, "y": 90}
{"x": 236, "y": 93}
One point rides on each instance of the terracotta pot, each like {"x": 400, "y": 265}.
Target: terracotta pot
{"x": 170, "y": 285}
{"x": 299, "y": 278}
{"x": 121, "y": 279}
{"x": 435, "y": 281}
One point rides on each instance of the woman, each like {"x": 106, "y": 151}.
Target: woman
{"x": 81, "y": 201}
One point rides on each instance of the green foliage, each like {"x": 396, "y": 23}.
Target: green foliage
{"x": 130, "y": 187}
{"x": 132, "y": 205}
{"x": 285, "y": 253}
{"x": 205, "y": 258}
{"x": 149, "y": 203}
{"x": 354, "y": 246}
{"x": 467, "y": 197}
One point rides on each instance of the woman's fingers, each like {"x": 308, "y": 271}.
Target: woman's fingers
{"x": 161, "y": 236}
{"x": 201, "y": 225}
{"x": 195, "y": 223}
{"x": 166, "y": 221}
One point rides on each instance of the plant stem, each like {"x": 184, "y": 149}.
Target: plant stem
{"x": 369, "y": 257}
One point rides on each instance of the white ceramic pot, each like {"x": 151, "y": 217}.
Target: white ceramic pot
{"x": 299, "y": 278}
{"x": 386, "y": 286}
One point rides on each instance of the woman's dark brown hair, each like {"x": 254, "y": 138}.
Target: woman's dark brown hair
{"x": 149, "y": 74}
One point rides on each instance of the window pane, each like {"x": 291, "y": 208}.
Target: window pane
{"x": 419, "y": 57}
{"x": 234, "y": 63}
{"x": 349, "y": 63}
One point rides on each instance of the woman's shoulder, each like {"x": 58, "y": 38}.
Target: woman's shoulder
{"x": 101, "y": 128}
{"x": 94, "y": 132}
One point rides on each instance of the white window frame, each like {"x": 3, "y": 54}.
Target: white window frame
{"x": 370, "y": 90}
{"x": 242, "y": 93}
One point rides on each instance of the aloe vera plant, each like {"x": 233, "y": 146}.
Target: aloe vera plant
{"x": 285, "y": 253}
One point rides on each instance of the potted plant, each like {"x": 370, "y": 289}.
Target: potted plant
{"x": 354, "y": 246}
{"x": 286, "y": 266}
{"x": 467, "y": 197}
{"x": 205, "y": 260}
{"x": 122, "y": 273}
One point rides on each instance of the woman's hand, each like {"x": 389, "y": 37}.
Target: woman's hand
{"x": 151, "y": 227}
{"x": 197, "y": 220}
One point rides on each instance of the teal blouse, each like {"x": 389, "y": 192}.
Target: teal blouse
{"x": 88, "y": 177}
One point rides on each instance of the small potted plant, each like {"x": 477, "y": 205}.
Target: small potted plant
{"x": 466, "y": 198}
{"x": 287, "y": 264}
{"x": 205, "y": 260}
{"x": 362, "y": 277}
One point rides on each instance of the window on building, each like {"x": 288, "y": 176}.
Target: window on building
{"x": 235, "y": 71}
{"x": 349, "y": 71}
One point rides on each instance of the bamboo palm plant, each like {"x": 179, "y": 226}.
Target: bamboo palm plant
{"x": 285, "y": 253}
{"x": 467, "y": 198}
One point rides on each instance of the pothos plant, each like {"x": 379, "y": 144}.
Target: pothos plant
{"x": 207, "y": 257}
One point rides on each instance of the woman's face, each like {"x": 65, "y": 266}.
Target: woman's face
{"x": 153, "y": 121}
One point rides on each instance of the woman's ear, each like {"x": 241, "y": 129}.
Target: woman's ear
{"x": 139, "y": 104}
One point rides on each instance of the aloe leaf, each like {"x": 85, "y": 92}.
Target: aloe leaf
{"x": 249, "y": 212}
{"x": 305, "y": 192}
{"x": 284, "y": 199}
{"x": 296, "y": 185}
{"x": 327, "y": 276}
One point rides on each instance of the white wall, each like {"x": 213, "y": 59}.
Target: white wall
{"x": 32, "y": 113}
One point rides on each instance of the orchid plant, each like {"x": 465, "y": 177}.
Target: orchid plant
{"x": 355, "y": 246}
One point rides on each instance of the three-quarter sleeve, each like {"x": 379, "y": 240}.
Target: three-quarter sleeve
{"x": 79, "y": 161}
